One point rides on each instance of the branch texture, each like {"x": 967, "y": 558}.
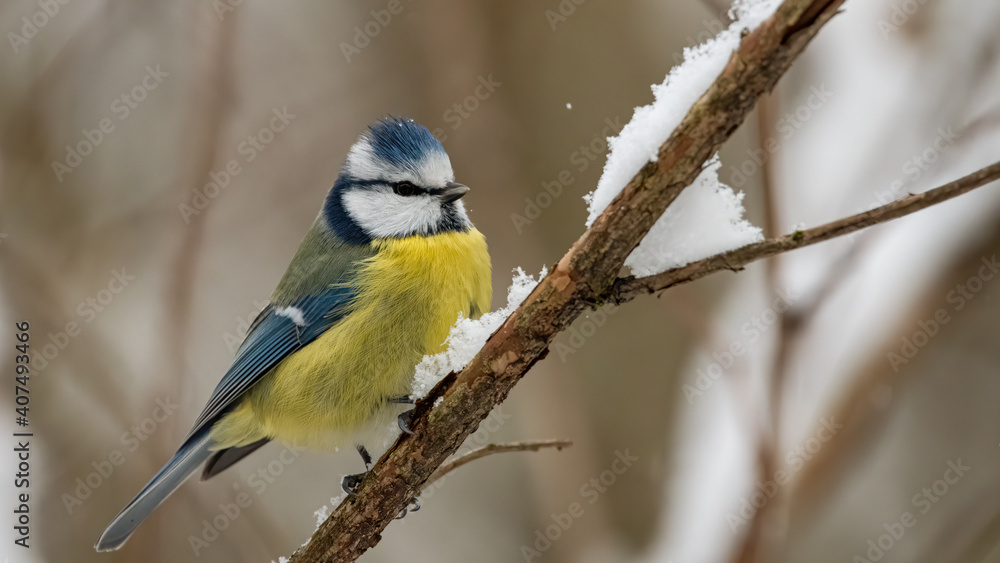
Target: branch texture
{"x": 587, "y": 272}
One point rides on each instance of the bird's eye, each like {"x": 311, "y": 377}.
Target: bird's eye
{"x": 404, "y": 189}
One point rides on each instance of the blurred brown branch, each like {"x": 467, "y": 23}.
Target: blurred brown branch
{"x": 587, "y": 272}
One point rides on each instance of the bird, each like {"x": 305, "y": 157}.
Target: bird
{"x": 390, "y": 263}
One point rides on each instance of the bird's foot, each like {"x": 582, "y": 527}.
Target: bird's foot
{"x": 413, "y": 507}
{"x": 404, "y": 420}
{"x": 402, "y": 400}
{"x": 350, "y": 483}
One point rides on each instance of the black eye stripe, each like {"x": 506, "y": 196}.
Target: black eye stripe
{"x": 406, "y": 189}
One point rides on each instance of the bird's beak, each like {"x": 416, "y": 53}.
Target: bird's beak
{"x": 452, "y": 191}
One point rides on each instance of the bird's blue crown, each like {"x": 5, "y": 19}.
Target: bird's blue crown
{"x": 402, "y": 142}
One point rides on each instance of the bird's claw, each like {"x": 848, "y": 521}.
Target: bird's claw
{"x": 350, "y": 483}
{"x": 413, "y": 507}
{"x": 404, "y": 421}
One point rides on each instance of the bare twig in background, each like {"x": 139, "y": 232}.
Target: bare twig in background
{"x": 765, "y": 121}
{"x": 772, "y": 219}
{"x": 790, "y": 325}
{"x": 629, "y": 288}
{"x": 588, "y": 271}
{"x": 491, "y": 449}
{"x": 768, "y": 427}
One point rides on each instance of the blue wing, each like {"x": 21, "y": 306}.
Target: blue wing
{"x": 276, "y": 333}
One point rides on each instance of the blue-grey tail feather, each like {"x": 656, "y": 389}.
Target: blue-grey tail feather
{"x": 186, "y": 461}
{"x": 224, "y": 459}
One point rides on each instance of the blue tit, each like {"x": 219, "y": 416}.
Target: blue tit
{"x": 387, "y": 267}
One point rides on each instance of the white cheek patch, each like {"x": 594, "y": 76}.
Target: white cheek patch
{"x": 293, "y": 313}
{"x": 383, "y": 214}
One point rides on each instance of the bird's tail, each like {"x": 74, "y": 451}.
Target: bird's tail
{"x": 192, "y": 454}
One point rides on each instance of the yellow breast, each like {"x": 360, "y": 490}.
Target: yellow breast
{"x": 408, "y": 296}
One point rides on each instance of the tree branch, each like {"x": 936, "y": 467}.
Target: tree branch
{"x": 491, "y": 449}
{"x": 588, "y": 271}
{"x": 631, "y": 287}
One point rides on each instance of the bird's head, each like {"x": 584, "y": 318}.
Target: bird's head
{"x": 397, "y": 182}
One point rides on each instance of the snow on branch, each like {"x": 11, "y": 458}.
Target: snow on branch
{"x": 707, "y": 218}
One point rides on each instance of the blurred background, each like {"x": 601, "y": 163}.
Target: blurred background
{"x": 159, "y": 163}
